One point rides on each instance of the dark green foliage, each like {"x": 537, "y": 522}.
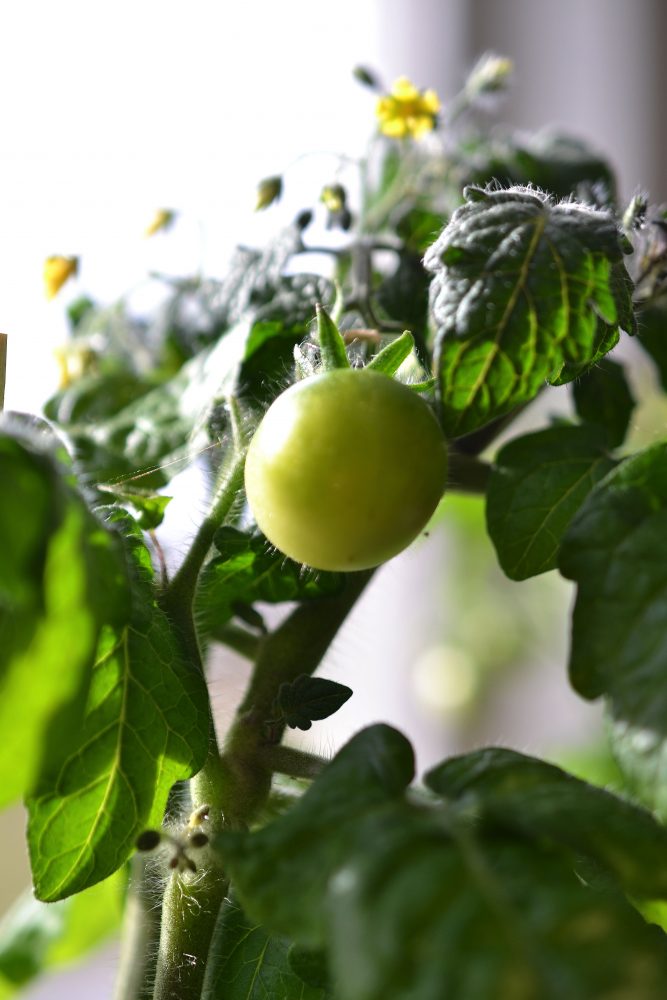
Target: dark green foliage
{"x": 357, "y": 866}
{"x": 603, "y": 399}
{"x": 250, "y": 963}
{"x": 537, "y": 484}
{"x": 522, "y": 288}
{"x": 309, "y": 699}
{"x": 558, "y": 164}
{"x": 510, "y": 791}
{"x": 612, "y": 550}
{"x": 652, "y": 329}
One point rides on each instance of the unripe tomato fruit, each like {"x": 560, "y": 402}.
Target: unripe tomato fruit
{"x": 345, "y": 469}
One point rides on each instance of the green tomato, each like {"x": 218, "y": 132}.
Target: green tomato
{"x": 345, "y": 469}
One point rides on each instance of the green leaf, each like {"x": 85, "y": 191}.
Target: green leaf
{"x": 145, "y": 727}
{"x": 619, "y": 621}
{"x": 514, "y": 792}
{"x": 548, "y": 160}
{"x": 522, "y": 287}
{"x": 54, "y": 553}
{"x": 404, "y": 294}
{"x": 311, "y": 966}
{"x": 537, "y": 484}
{"x": 602, "y": 398}
{"x": 246, "y": 962}
{"x": 309, "y": 699}
{"x": 167, "y": 426}
{"x": 150, "y": 507}
{"x": 423, "y": 916}
{"x": 281, "y": 872}
{"x": 95, "y": 397}
{"x": 653, "y": 337}
{"x": 36, "y": 937}
{"x": 249, "y": 570}
{"x": 413, "y": 900}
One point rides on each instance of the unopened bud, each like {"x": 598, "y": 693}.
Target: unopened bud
{"x": 490, "y": 74}
{"x": 303, "y": 219}
{"x": 334, "y": 197}
{"x": 148, "y": 840}
{"x": 268, "y": 191}
{"x": 366, "y": 77}
{"x": 163, "y": 219}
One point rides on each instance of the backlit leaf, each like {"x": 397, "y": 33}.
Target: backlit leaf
{"x": 523, "y": 287}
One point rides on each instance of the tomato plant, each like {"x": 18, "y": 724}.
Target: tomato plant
{"x": 345, "y": 469}
{"x": 241, "y": 865}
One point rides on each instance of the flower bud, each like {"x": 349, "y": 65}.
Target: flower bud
{"x": 268, "y": 190}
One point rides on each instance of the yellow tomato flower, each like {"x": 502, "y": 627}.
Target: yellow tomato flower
{"x": 162, "y": 219}
{"x": 57, "y": 270}
{"x": 334, "y": 197}
{"x": 406, "y": 111}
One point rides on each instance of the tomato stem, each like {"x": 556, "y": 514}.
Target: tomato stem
{"x": 141, "y": 934}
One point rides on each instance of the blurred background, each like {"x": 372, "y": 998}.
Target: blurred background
{"x": 111, "y": 112}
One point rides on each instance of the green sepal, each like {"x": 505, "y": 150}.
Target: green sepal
{"x": 392, "y": 356}
{"x": 332, "y": 345}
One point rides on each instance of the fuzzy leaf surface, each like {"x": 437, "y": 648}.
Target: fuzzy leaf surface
{"x": 537, "y": 484}
{"x": 145, "y": 727}
{"x": 522, "y": 288}
{"x": 619, "y": 621}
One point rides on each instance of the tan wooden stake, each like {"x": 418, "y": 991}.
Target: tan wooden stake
{"x": 3, "y": 367}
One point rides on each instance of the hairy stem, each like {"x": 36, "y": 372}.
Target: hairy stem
{"x": 179, "y": 595}
{"x": 191, "y": 906}
{"x": 296, "y": 647}
{"x": 288, "y": 760}
{"x": 192, "y": 899}
{"x": 141, "y": 934}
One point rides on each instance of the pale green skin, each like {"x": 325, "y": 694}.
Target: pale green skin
{"x": 345, "y": 469}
